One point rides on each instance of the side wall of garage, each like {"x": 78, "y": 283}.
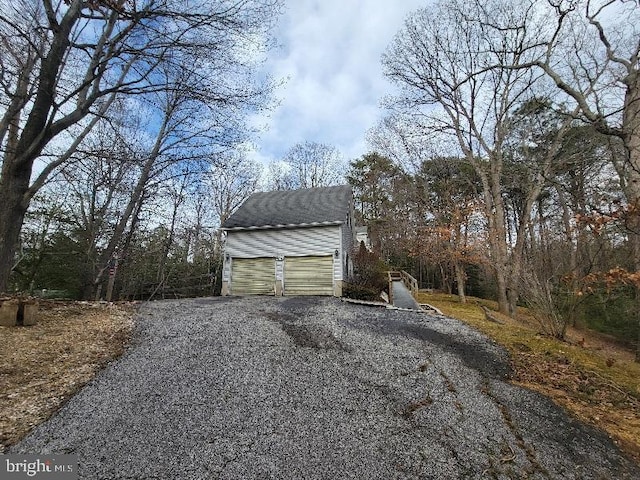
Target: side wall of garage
{"x": 280, "y": 244}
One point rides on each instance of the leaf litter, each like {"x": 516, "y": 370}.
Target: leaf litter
{"x": 43, "y": 365}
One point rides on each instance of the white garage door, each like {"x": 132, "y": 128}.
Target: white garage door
{"x": 308, "y": 275}
{"x": 253, "y": 276}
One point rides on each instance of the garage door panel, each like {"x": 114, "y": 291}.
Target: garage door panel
{"x": 253, "y": 276}
{"x": 308, "y": 275}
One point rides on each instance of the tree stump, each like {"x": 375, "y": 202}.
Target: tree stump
{"x": 18, "y": 311}
{"x": 30, "y": 312}
{"x": 9, "y": 312}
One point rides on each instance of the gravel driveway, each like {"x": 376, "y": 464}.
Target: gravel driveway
{"x": 313, "y": 388}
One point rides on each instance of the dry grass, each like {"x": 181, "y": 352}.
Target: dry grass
{"x": 41, "y": 366}
{"x": 590, "y": 375}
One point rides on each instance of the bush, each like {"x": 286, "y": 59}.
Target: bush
{"x": 369, "y": 271}
{"x": 611, "y": 312}
{"x": 360, "y": 292}
{"x": 540, "y": 295}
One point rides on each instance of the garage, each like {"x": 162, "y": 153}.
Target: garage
{"x": 312, "y": 275}
{"x": 289, "y": 242}
{"x": 253, "y": 276}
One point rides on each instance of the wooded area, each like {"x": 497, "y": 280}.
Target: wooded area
{"x": 524, "y": 116}
{"x": 119, "y": 120}
{"x": 507, "y": 167}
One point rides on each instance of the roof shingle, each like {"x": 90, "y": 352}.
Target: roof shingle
{"x": 293, "y": 207}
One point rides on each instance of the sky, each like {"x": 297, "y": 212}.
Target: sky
{"x": 329, "y": 59}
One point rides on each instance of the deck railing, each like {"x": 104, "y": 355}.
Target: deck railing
{"x": 410, "y": 282}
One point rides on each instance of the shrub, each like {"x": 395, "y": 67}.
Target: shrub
{"x": 360, "y": 292}
{"x": 368, "y": 270}
{"x": 540, "y": 295}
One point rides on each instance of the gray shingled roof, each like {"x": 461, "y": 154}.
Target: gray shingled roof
{"x": 293, "y": 207}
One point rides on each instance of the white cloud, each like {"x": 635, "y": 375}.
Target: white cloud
{"x": 330, "y": 57}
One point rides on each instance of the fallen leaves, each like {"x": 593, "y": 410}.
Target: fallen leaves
{"x": 43, "y": 365}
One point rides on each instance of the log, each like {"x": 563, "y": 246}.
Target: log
{"x": 490, "y": 316}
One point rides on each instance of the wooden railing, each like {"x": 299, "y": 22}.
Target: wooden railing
{"x": 395, "y": 276}
{"x": 410, "y": 282}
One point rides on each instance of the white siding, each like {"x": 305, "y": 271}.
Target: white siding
{"x": 288, "y": 242}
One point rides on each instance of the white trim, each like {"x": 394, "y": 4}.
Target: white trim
{"x": 291, "y": 225}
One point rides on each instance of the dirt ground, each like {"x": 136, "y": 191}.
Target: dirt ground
{"x": 41, "y": 366}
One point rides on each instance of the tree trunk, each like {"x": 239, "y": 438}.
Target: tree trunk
{"x": 162, "y": 268}
{"x": 495, "y": 212}
{"x": 11, "y": 218}
{"x": 635, "y": 245}
{"x": 135, "y": 201}
{"x": 631, "y": 139}
{"x": 501, "y": 287}
{"x": 573, "y": 241}
{"x": 444, "y": 279}
{"x": 569, "y": 233}
{"x": 512, "y": 297}
{"x": 460, "y": 279}
{"x": 18, "y": 162}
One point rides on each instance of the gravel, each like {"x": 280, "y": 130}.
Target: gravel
{"x": 313, "y": 388}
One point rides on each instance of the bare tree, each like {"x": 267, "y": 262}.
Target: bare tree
{"x": 279, "y": 176}
{"x": 314, "y": 164}
{"x": 591, "y": 53}
{"x": 407, "y": 138}
{"x": 184, "y": 134}
{"x": 438, "y": 60}
{"x": 231, "y": 182}
{"x": 63, "y": 64}
{"x": 100, "y": 180}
